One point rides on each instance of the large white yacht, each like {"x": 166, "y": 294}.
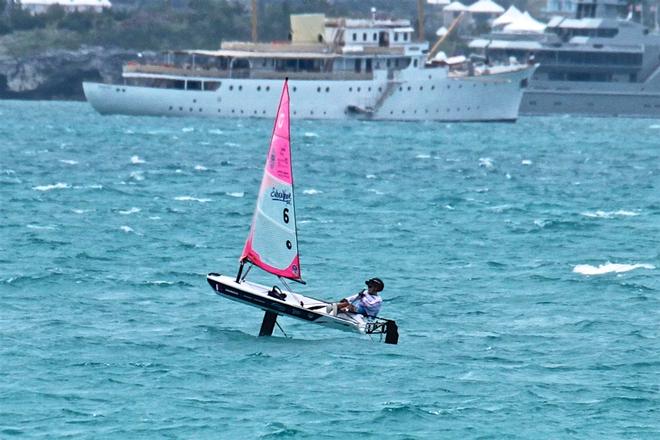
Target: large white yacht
{"x": 596, "y": 64}
{"x": 341, "y": 68}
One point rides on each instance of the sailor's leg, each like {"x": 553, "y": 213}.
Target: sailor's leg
{"x": 268, "y": 324}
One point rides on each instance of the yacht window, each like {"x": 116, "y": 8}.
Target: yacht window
{"x": 211, "y": 85}
{"x": 405, "y": 36}
{"x": 396, "y": 36}
{"x": 415, "y": 62}
{"x": 375, "y": 37}
{"x": 364, "y": 36}
{"x": 354, "y": 36}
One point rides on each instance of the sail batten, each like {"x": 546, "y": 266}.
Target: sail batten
{"x": 272, "y": 243}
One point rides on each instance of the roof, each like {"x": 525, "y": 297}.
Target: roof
{"x": 455, "y": 6}
{"x": 485, "y": 7}
{"x": 254, "y": 54}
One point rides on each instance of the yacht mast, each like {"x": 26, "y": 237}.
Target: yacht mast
{"x": 254, "y": 21}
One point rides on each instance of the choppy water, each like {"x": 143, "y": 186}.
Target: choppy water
{"x": 520, "y": 260}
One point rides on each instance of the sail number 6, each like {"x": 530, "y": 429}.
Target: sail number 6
{"x": 285, "y": 215}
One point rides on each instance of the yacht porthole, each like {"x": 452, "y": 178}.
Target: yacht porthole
{"x": 432, "y": 87}
{"x": 327, "y": 89}
{"x": 358, "y": 89}
{"x": 258, "y": 88}
{"x": 240, "y": 88}
{"x": 267, "y": 88}
{"x": 231, "y": 87}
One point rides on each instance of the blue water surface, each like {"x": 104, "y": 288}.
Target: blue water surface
{"x": 520, "y": 261}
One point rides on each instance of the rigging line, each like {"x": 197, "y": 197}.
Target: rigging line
{"x": 247, "y": 271}
{"x": 295, "y": 295}
{"x": 282, "y": 330}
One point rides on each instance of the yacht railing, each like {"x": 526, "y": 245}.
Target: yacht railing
{"x": 132, "y": 70}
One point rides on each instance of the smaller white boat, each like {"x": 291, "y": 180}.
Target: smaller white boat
{"x": 272, "y": 245}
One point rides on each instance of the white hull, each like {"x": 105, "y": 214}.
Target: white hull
{"x": 294, "y": 305}
{"x": 412, "y": 95}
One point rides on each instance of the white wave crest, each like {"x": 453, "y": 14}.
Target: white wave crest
{"x": 423, "y": 156}
{"x": 310, "y": 134}
{"x": 236, "y": 194}
{"x": 191, "y": 199}
{"x": 370, "y": 176}
{"x": 137, "y": 175}
{"x": 486, "y": 162}
{"x": 200, "y": 168}
{"x": 609, "y": 214}
{"x": 49, "y": 228}
{"x": 127, "y": 229}
{"x": 58, "y": 185}
{"x": 587, "y": 269}
{"x": 69, "y": 162}
{"x": 188, "y": 129}
{"x": 136, "y": 160}
{"x": 133, "y": 210}
{"x": 311, "y": 191}
{"x": 526, "y": 162}
{"x": 215, "y": 131}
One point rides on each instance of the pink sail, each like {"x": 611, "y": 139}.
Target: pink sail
{"x": 272, "y": 243}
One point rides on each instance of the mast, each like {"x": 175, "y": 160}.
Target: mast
{"x": 420, "y": 20}
{"x": 254, "y": 21}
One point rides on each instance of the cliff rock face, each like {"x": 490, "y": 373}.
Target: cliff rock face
{"x": 58, "y": 74}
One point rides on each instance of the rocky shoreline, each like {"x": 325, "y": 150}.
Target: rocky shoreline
{"x": 58, "y": 74}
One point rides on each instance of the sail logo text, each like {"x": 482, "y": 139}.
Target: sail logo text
{"x": 280, "y": 195}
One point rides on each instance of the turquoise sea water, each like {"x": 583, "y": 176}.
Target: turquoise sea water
{"x": 521, "y": 262}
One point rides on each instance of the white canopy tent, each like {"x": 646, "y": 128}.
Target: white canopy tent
{"x": 511, "y": 15}
{"x": 438, "y": 2}
{"x": 455, "y": 6}
{"x": 525, "y": 25}
{"x": 485, "y": 7}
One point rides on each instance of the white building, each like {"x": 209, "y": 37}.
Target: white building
{"x": 41, "y": 6}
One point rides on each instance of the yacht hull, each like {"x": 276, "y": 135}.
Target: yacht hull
{"x": 429, "y": 94}
{"x": 577, "y": 99}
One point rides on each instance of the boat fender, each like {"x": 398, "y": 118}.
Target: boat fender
{"x": 275, "y": 292}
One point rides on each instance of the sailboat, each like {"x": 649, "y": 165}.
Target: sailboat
{"x": 272, "y": 245}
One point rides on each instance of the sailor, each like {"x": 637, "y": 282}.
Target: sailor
{"x": 367, "y": 302}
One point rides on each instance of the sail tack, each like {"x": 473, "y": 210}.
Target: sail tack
{"x": 272, "y": 243}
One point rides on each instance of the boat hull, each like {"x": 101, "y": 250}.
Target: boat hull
{"x": 427, "y": 94}
{"x": 294, "y": 305}
{"x": 605, "y": 99}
